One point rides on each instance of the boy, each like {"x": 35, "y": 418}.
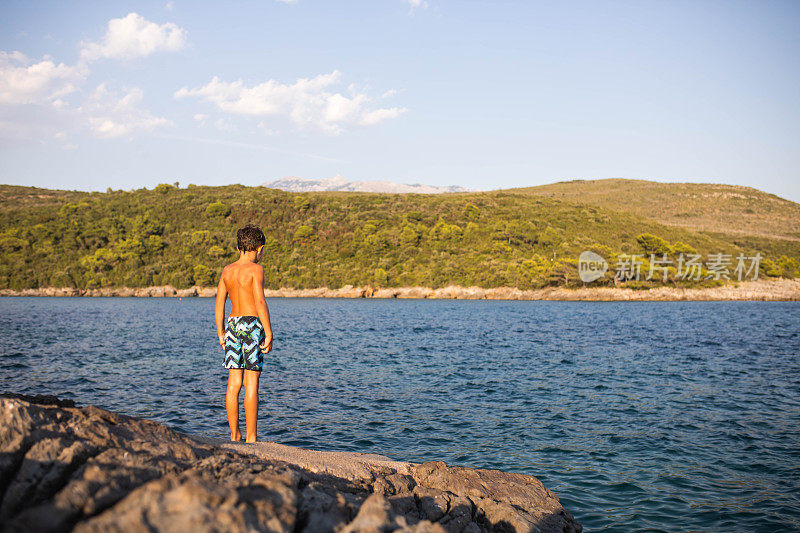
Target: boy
{"x": 247, "y": 331}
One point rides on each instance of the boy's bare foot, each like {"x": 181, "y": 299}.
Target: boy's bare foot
{"x": 236, "y": 438}
{"x": 251, "y": 439}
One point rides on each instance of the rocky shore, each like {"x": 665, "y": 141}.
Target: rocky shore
{"x": 90, "y": 470}
{"x": 762, "y": 290}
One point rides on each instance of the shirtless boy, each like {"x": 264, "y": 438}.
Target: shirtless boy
{"x": 247, "y": 333}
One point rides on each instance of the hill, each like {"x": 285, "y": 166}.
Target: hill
{"x": 183, "y": 237}
{"x": 730, "y": 209}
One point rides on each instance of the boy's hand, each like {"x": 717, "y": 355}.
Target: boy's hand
{"x": 221, "y": 339}
{"x": 266, "y": 346}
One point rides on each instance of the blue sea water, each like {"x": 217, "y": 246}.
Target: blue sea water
{"x": 657, "y": 416}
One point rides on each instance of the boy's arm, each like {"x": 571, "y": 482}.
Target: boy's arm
{"x": 219, "y": 310}
{"x": 261, "y": 308}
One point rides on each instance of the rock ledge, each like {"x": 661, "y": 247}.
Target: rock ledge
{"x": 87, "y": 469}
{"x": 761, "y": 290}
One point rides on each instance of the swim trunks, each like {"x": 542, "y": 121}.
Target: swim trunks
{"x": 243, "y": 335}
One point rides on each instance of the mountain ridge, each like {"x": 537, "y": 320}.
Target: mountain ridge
{"x": 341, "y": 184}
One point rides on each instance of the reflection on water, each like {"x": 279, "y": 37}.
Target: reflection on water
{"x": 641, "y": 416}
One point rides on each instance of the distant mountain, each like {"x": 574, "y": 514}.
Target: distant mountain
{"x": 338, "y": 183}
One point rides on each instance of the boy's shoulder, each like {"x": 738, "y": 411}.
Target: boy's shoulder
{"x": 242, "y": 267}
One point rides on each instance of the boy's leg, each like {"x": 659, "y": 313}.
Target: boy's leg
{"x": 251, "y": 403}
{"x": 232, "y": 401}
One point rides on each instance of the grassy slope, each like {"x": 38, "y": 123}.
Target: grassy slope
{"x": 168, "y": 235}
{"x": 719, "y": 208}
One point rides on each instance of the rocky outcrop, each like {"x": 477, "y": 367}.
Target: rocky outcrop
{"x": 142, "y": 292}
{"x": 764, "y": 290}
{"x": 90, "y": 470}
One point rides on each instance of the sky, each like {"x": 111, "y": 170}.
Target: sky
{"x": 481, "y": 94}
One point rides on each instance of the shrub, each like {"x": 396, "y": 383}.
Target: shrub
{"x": 790, "y": 268}
{"x": 303, "y": 233}
{"x": 381, "y": 278}
{"x": 444, "y": 231}
{"x": 154, "y": 243}
{"x": 414, "y": 216}
{"x": 681, "y": 248}
{"x": 409, "y": 235}
{"x": 271, "y": 245}
{"x": 203, "y": 275}
{"x": 472, "y": 212}
{"x": 218, "y": 209}
{"x": 652, "y": 244}
{"x": 216, "y": 252}
{"x": 301, "y": 203}
{"x": 550, "y": 237}
{"x": 9, "y": 243}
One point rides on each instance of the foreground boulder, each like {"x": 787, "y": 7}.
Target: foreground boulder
{"x": 87, "y": 469}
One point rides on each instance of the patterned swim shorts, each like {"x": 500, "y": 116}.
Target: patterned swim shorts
{"x": 243, "y": 335}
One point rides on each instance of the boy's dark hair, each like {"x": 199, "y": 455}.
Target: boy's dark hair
{"x": 249, "y": 238}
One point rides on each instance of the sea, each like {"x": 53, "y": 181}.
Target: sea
{"x": 640, "y": 416}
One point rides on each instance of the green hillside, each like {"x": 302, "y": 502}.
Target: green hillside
{"x": 183, "y": 237}
{"x": 711, "y": 207}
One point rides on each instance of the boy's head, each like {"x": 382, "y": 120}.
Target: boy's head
{"x": 250, "y": 239}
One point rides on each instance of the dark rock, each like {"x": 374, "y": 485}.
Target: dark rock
{"x": 41, "y": 399}
{"x": 86, "y": 469}
{"x": 500, "y": 500}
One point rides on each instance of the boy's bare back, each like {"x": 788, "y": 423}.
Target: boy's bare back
{"x": 244, "y": 284}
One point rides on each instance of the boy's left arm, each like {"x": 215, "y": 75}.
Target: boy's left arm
{"x": 219, "y": 310}
{"x": 263, "y": 310}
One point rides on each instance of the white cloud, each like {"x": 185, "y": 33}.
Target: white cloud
{"x": 25, "y": 82}
{"x": 200, "y": 118}
{"x": 224, "y": 125}
{"x": 34, "y": 95}
{"x": 134, "y": 36}
{"x": 170, "y": 6}
{"x": 266, "y": 129}
{"x": 287, "y": 1}
{"x": 111, "y": 116}
{"x": 418, "y": 3}
{"x": 307, "y": 103}
{"x": 371, "y": 118}
{"x": 65, "y": 143}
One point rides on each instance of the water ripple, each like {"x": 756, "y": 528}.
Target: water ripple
{"x": 657, "y": 416}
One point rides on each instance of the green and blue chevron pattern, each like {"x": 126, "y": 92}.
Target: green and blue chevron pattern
{"x": 243, "y": 335}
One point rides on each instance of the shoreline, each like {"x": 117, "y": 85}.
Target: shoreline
{"x": 91, "y": 470}
{"x": 762, "y": 290}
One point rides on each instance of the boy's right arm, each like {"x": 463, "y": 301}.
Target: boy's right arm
{"x": 262, "y": 309}
{"x": 219, "y": 310}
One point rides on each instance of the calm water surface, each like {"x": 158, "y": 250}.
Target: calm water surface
{"x": 663, "y": 416}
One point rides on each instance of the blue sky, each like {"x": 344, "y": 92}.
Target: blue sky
{"x": 480, "y": 94}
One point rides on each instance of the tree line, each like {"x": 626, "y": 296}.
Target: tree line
{"x": 183, "y": 236}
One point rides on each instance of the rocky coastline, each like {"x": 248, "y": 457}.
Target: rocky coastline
{"x": 762, "y": 290}
{"x": 86, "y": 469}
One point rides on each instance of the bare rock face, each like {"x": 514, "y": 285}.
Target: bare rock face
{"x": 765, "y": 289}
{"x": 86, "y": 469}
